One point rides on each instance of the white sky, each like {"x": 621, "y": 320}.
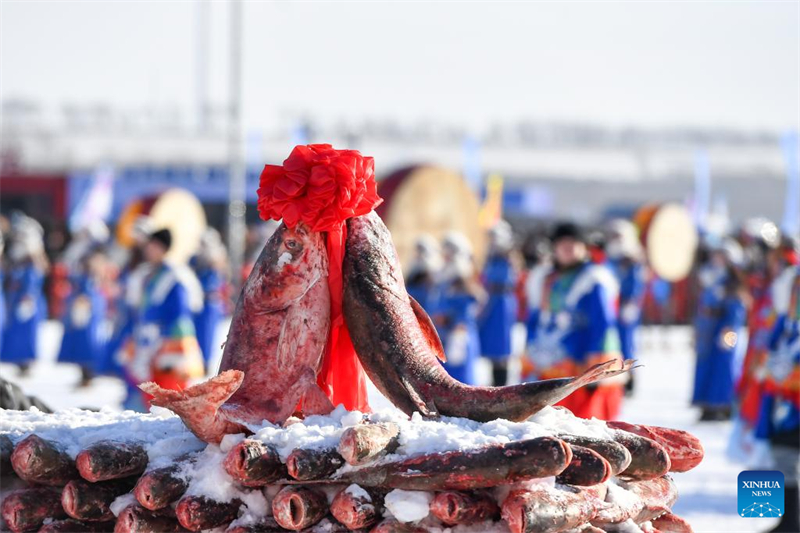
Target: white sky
{"x": 622, "y": 63}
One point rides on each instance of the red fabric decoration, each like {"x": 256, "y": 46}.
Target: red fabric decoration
{"x": 323, "y": 187}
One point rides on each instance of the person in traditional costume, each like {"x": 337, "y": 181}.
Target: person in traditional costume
{"x": 25, "y": 301}
{"x": 626, "y": 260}
{"x": 421, "y": 280}
{"x": 763, "y": 263}
{"x": 164, "y": 348}
{"x": 456, "y": 311}
{"x": 572, "y": 323}
{"x": 84, "y": 340}
{"x": 86, "y": 306}
{"x": 126, "y": 296}
{"x": 210, "y": 266}
{"x": 779, "y": 420}
{"x": 719, "y": 330}
{"x": 499, "y": 314}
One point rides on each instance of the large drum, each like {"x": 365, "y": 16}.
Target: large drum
{"x": 175, "y": 209}
{"x": 432, "y": 200}
{"x": 670, "y": 239}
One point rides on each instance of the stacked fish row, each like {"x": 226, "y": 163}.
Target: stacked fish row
{"x": 343, "y": 488}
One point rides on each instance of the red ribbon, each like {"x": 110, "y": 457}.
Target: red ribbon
{"x": 341, "y": 377}
{"x": 323, "y": 187}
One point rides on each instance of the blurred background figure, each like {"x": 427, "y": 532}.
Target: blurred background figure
{"x": 456, "y": 310}
{"x": 425, "y": 270}
{"x": 719, "y": 329}
{"x": 83, "y": 242}
{"x": 165, "y": 348}
{"x": 24, "y": 298}
{"x": 779, "y": 420}
{"x": 626, "y": 259}
{"x": 125, "y": 297}
{"x": 572, "y": 323}
{"x": 210, "y": 265}
{"x": 82, "y": 269}
{"x": 499, "y": 313}
{"x": 763, "y": 262}
{"x": 596, "y": 242}
{"x": 85, "y": 337}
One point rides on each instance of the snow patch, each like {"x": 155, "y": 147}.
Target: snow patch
{"x": 161, "y": 432}
{"x": 407, "y": 505}
{"x": 629, "y": 526}
{"x": 624, "y": 498}
{"x": 358, "y": 492}
{"x": 422, "y": 436}
{"x": 122, "y": 502}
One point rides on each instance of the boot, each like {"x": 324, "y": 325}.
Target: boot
{"x": 24, "y": 369}
{"x": 707, "y": 414}
{"x": 790, "y": 520}
{"x": 722, "y": 414}
{"x": 499, "y": 373}
{"x": 629, "y": 386}
{"x": 86, "y": 377}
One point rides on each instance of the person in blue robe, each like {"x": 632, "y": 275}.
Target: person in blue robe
{"x": 779, "y": 418}
{"x": 164, "y": 347}
{"x": 126, "y": 299}
{"x": 84, "y": 340}
{"x": 209, "y": 266}
{"x": 625, "y": 258}
{"x": 422, "y": 276}
{"x": 456, "y": 312}
{"x": 26, "y": 306}
{"x": 572, "y": 323}
{"x": 497, "y": 318}
{"x": 719, "y": 331}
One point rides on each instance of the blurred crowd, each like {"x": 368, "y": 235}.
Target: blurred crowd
{"x": 577, "y": 295}
{"x": 581, "y": 296}
{"x": 125, "y": 310}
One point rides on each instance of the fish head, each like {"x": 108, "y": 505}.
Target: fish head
{"x": 370, "y": 244}
{"x": 293, "y": 261}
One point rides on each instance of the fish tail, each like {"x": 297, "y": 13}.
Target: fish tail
{"x": 602, "y": 371}
{"x": 198, "y": 406}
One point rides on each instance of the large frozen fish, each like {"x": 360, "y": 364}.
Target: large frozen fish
{"x": 399, "y": 347}
{"x": 274, "y": 346}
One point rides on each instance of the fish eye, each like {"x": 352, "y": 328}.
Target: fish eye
{"x": 291, "y": 244}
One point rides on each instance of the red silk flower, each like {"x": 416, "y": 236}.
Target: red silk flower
{"x": 319, "y": 186}
{"x": 323, "y": 187}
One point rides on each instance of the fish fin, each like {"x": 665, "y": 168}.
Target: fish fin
{"x": 601, "y": 371}
{"x": 426, "y": 408}
{"x": 198, "y": 406}
{"x": 428, "y": 329}
{"x": 315, "y": 401}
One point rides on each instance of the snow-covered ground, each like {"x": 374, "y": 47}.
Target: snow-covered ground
{"x": 708, "y": 493}
{"x": 663, "y": 392}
